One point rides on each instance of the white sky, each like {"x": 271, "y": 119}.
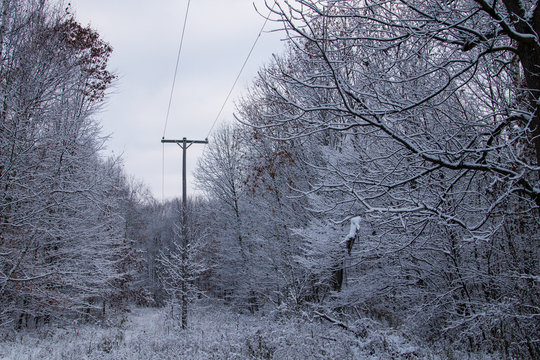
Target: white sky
{"x": 145, "y": 36}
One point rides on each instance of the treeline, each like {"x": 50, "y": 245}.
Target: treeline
{"x": 58, "y": 207}
{"x": 386, "y": 167}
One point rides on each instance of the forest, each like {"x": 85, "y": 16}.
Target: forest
{"x": 382, "y": 172}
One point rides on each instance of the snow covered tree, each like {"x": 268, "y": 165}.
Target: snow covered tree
{"x": 60, "y": 228}
{"x": 220, "y": 175}
{"x": 183, "y": 260}
{"x": 423, "y": 117}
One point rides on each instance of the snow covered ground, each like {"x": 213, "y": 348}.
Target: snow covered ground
{"x": 214, "y": 333}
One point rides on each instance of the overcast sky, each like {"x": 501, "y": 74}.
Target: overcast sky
{"x": 145, "y": 36}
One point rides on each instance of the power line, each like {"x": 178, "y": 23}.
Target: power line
{"x": 176, "y": 67}
{"x": 226, "y": 99}
{"x": 170, "y": 101}
{"x": 240, "y": 72}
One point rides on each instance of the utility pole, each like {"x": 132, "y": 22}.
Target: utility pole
{"x": 184, "y": 144}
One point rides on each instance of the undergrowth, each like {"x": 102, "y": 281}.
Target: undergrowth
{"x": 214, "y": 332}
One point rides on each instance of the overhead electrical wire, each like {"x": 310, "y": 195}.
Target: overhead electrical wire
{"x": 226, "y": 99}
{"x": 240, "y": 72}
{"x": 176, "y": 67}
{"x": 170, "y": 100}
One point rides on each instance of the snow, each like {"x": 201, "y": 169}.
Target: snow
{"x": 355, "y": 227}
{"x": 214, "y": 332}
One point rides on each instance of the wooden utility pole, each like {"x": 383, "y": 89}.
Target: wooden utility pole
{"x": 184, "y": 144}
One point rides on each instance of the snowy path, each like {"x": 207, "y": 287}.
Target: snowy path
{"x": 215, "y": 332}
{"x": 142, "y": 322}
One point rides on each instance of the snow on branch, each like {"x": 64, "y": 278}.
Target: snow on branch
{"x": 353, "y": 232}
